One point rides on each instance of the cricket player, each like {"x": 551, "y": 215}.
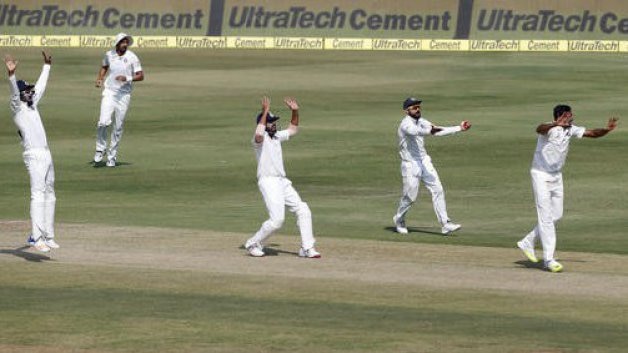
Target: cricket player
{"x": 276, "y": 189}
{"x": 123, "y": 67}
{"x": 24, "y": 102}
{"x": 416, "y": 165}
{"x": 547, "y": 180}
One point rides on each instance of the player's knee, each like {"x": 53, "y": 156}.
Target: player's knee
{"x": 38, "y": 195}
{"x": 304, "y": 210}
{"x": 275, "y": 223}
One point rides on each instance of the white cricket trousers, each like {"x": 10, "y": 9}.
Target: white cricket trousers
{"x": 279, "y": 193}
{"x": 38, "y": 162}
{"x": 412, "y": 174}
{"x": 548, "y": 195}
{"x": 115, "y": 105}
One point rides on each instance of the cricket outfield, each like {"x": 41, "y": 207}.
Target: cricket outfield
{"x": 150, "y": 258}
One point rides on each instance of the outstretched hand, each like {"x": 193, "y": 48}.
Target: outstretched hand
{"x": 612, "y": 123}
{"x": 47, "y": 57}
{"x": 265, "y": 104}
{"x": 291, "y": 103}
{"x": 10, "y": 63}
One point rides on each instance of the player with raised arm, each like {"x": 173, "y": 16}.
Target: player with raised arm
{"x": 24, "y": 103}
{"x": 276, "y": 189}
{"x": 416, "y": 165}
{"x": 547, "y": 180}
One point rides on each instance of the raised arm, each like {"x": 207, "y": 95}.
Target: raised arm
{"x": 40, "y": 86}
{"x": 450, "y": 130}
{"x": 595, "y": 133}
{"x": 261, "y": 126}
{"x": 294, "y": 121}
{"x": 11, "y": 65}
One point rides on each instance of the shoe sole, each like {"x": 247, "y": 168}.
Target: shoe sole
{"x": 555, "y": 269}
{"x": 451, "y": 231}
{"x": 531, "y": 257}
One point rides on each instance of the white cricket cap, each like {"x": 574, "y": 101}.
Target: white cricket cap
{"x": 120, "y": 37}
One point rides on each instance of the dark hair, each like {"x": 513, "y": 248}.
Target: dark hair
{"x": 560, "y": 109}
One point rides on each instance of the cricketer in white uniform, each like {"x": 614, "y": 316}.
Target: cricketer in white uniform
{"x": 24, "y": 102}
{"x": 547, "y": 180}
{"x": 276, "y": 189}
{"x": 124, "y": 67}
{"x": 416, "y": 165}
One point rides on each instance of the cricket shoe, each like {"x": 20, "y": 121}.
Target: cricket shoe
{"x": 51, "y": 243}
{"x": 40, "y": 245}
{"x": 400, "y": 225}
{"x": 111, "y": 162}
{"x": 98, "y": 157}
{"x": 450, "y": 227}
{"x": 310, "y": 253}
{"x": 553, "y": 266}
{"x": 527, "y": 250}
{"x": 255, "y": 249}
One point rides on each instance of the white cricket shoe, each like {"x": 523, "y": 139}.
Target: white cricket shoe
{"x": 111, "y": 162}
{"x": 51, "y": 243}
{"x": 310, "y": 253}
{"x": 400, "y": 225}
{"x": 450, "y": 227}
{"x": 40, "y": 245}
{"x": 98, "y": 156}
{"x": 254, "y": 249}
{"x": 527, "y": 250}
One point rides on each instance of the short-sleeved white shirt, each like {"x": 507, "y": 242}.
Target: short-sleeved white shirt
{"x": 551, "y": 148}
{"x": 410, "y": 133}
{"x": 270, "y": 156}
{"x": 125, "y": 65}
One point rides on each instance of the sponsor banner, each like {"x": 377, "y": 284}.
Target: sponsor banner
{"x": 348, "y": 44}
{"x": 16, "y": 41}
{"x": 445, "y": 45}
{"x": 543, "y": 45}
{"x": 297, "y": 43}
{"x": 607, "y": 46}
{"x": 623, "y": 46}
{"x": 494, "y": 45}
{"x": 397, "y": 44}
{"x": 250, "y": 42}
{"x": 154, "y": 42}
{"x": 56, "y": 41}
{"x": 97, "y": 41}
{"x": 200, "y": 42}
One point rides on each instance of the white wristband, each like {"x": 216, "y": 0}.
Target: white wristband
{"x": 129, "y": 79}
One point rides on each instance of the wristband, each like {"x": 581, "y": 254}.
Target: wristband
{"x": 129, "y": 79}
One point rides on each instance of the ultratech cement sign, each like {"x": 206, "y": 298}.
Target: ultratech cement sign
{"x": 409, "y": 19}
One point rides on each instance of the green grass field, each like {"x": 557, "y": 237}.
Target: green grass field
{"x": 187, "y": 180}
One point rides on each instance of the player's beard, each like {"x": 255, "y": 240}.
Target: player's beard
{"x": 416, "y": 115}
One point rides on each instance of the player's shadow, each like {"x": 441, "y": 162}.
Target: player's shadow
{"x": 28, "y": 256}
{"x": 530, "y": 264}
{"x": 423, "y": 230}
{"x": 104, "y": 164}
{"x": 272, "y": 251}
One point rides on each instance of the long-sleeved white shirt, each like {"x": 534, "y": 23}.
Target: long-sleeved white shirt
{"x": 27, "y": 119}
{"x": 270, "y": 156}
{"x": 411, "y": 132}
{"x": 552, "y": 148}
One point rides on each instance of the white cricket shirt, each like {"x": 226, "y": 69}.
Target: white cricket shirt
{"x": 410, "y": 133}
{"x": 125, "y": 65}
{"x": 27, "y": 119}
{"x": 269, "y": 155}
{"x": 551, "y": 149}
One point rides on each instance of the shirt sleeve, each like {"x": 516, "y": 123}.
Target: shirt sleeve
{"x": 283, "y": 135}
{"x": 40, "y": 86}
{"x": 105, "y": 60}
{"x": 15, "y": 94}
{"x": 137, "y": 66}
{"x": 577, "y": 131}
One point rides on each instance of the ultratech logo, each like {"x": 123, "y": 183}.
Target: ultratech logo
{"x": 53, "y": 16}
{"x": 357, "y": 19}
{"x": 549, "y": 20}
